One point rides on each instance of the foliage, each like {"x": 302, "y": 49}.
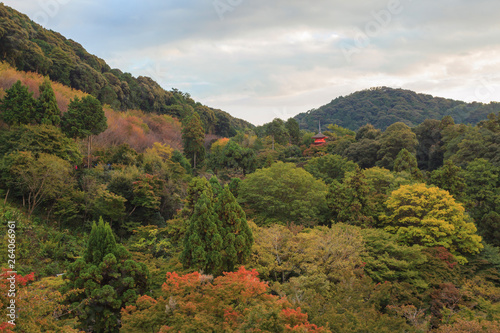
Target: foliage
{"x": 234, "y": 302}
{"x": 329, "y": 167}
{"x": 47, "y": 110}
{"x": 451, "y": 178}
{"x": 285, "y": 193}
{"x": 429, "y": 216}
{"x": 406, "y": 162}
{"x": 84, "y": 118}
{"x": 396, "y": 137}
{"x": 18, "y": 105}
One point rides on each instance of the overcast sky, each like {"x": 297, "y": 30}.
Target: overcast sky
{"x": 261, "y": 59}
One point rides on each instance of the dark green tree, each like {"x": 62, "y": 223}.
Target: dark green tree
{"x": 18, "y": 105}
{"x": 202, "y": 241}
{"x": 103, "y": 282}
{"x": 277, "y": 130}
{"x": 236, "y": 234}
{"x": 329, "y": 167}
{"x": 483, "y": 193}
{"x": 451, "y": 178}
{"x": 84, "y": 118}
{"x": 47, "y": 110}
{"x": 193, "y": 138}
{"x": 396, "y": 137}
{"x": 293, "y": 129}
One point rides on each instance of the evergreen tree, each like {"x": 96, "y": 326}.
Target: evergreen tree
{"x": 84, "y": 118}
{"x": 18, "y": 105}
{"x": 203, "y": 241}
{"x": 407, "y": 162}
{"x": 451, "y": 178}
{"x": 193, "y": 137}
{"x": 216, "y": 187}
{"x": 293, "y": 129}
{"x": 396, "y": 137}
{"x": 47, "y": 110}
{"x": 236, "y": 234}
{"x": 103, "y": 282}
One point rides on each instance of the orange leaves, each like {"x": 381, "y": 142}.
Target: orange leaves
{"x": 140, "y": 130}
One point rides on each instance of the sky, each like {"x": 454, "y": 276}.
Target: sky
{"x": 260, "y": 60}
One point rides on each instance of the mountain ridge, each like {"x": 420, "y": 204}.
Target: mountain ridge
{"x": 383, "y": 106}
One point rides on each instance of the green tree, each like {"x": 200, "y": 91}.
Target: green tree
{"x": 329, "y": 167}
{"x": 293, "y": 129}
{"x": 406, "y": 162}
{"x": 482, "y": 190}
{"x": 277, "y": 130}
{"x": 236, "y": 235}
{"x": 202, "y": 241}
{"x": 47, "y": 110}
{"x": 451, "y": 178}
{"x": 285, "y": 193}
{"x": 193, "y": 138}
{"x": 104, "y": 281}
{"x": 18, "y": 105}
{"x": 37, "y": 178}
{"x": 84, "y": 118}
{"x": 429, "y": 216}
{"x": 349, "y": 201}
{"x": 395, "y": 138}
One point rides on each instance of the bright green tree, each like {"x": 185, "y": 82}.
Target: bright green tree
{"x": 18, "y": 105}
{"x": 104, "y": 281}
{"x": 202, "y": 241}
{"x": 285, "y": 193}
{"x": 236, "y": 235}
{"x": 47, "y": 110}
{"x": 430, "y": 216}
{"x": 193, "y": 138}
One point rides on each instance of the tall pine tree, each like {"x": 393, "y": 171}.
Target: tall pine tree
{"x": 18, "y": 105}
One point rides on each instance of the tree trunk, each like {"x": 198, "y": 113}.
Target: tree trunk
{"x": 194, "y": 160}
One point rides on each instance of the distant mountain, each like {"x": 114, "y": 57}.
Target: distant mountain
{"x": 383, "y": 106}
{"x": 29, "y": 47}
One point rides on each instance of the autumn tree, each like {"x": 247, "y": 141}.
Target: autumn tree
{"x": 103, "y": 281}
{"x": 193, "y": 137}
{"x": 429, "y": 216}
{"x": 18, "y": 105}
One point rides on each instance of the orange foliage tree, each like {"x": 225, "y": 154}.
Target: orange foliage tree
{"x": 235, "y": 302}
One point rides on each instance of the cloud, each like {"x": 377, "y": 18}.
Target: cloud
{"x": 261, "y": 59}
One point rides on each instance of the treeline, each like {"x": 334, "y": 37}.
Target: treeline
{"x": 29, "y": 47}
{"x": 383, "y": 106}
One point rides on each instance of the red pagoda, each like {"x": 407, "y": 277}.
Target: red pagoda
{"x": 319, "y": 139}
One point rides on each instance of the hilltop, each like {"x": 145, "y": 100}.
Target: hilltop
{"x": 383, "y": 106}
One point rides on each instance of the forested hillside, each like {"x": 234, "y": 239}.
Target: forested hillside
{"x": 29, "y": 47}
{"x": 138, "y": 221}
{"x": 384, "y": 106}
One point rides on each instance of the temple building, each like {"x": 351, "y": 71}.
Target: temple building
{"x": 319, "y": 139}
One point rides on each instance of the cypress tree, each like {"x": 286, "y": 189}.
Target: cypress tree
{"x": 236, "y": 234}
{"x": 193, "y": 137}
{"x": 202, "y": 241}
{"x": 47, "y": 110}
{"x": 101, "y": 242}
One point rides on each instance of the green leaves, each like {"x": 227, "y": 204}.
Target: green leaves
{"x": 84, "y": 117}
{"x": 193, "y": 138}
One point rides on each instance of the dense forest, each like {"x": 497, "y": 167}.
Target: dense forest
{"x": 140, "y": 220}
{"x": 383, "y": 106}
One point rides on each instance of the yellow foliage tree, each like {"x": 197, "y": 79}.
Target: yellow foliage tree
{"x": 430, "y": 216}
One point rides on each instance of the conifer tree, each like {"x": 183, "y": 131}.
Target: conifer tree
{"x": 203, "y": 241}
{"x": 407, "y": 162}
{"x": 18, "y": 105}
{"x": 236, "y": 234}
{"x": 47, "y": 110}
{"x": 101, "y": 242}
{"x": 193, "y": 137}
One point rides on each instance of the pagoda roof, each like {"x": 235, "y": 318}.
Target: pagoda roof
{"x": 319, "y": 136}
